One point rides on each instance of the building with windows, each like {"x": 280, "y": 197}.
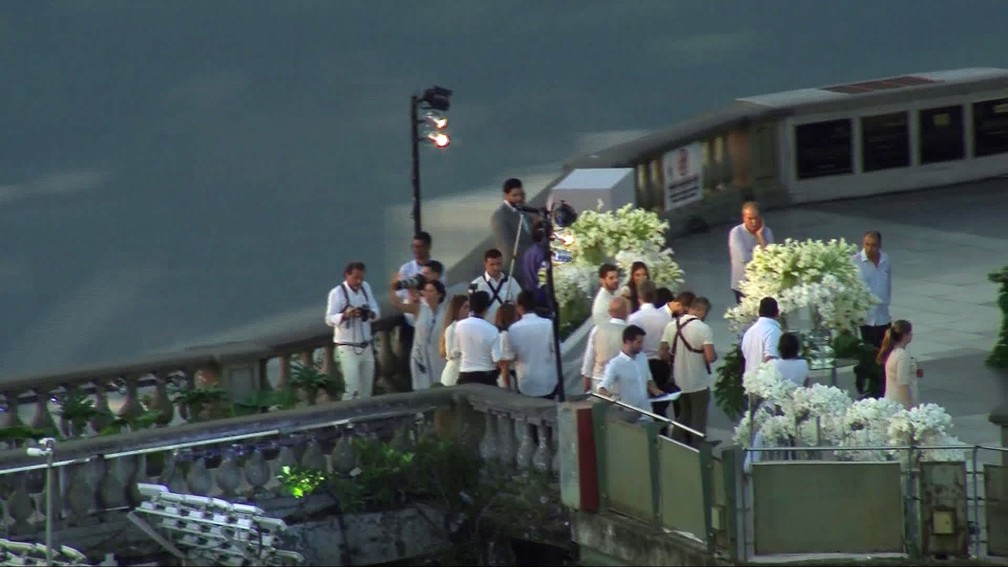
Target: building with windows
{"x": 815, "y": 144}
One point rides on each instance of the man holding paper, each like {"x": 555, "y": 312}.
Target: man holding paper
{"x": 627, "y": 377}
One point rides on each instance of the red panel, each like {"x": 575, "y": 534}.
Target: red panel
{"x": 881, "y": 84}
{"x": 587, "y": 468}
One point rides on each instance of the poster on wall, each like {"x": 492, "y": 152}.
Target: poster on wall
{"x": 683, "y": 178}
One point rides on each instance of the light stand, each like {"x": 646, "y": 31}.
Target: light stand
{"x": 435, "y": 98}
{"x": 562, "y": 214}
{"x": 47, "y": 444}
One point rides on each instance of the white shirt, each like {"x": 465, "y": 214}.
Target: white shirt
{"x": 354, "y": 330}
{"x": 474, "y": 342}
{"x": 653, "y": 320}
{"x": 529, "y": 342}
{"x": 792, "y": 369}
{"x": 600, "y": 307}
{"x": 760, "y": 341}
{"x": 605, "y": 341}
{"x": 689, "y": 368}
{"x": 627, "y": 378}
{"x": 503, "y": 290}
{"x": 879, "y": 281}
{"x": 741, "y": 244}
{"x": 901, "y": 370}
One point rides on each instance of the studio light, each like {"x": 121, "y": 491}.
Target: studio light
{"x": 439, "y": 139}
{"x": 564, "y": 215}
{"x": 436, "y": 120}
{"x": 436, "y": 100}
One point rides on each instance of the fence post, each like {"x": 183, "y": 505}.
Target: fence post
{"x": 999, "y": 417}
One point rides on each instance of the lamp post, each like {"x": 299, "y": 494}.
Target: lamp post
{"x": 433, "y": 99}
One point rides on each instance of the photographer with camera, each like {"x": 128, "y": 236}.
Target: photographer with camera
{"x": 495, "y": 283}
{"x": 427, "y": 307}
{"x": 349, "y": 311}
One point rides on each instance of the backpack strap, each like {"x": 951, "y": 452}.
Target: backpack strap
{"x": 689, "y": 347}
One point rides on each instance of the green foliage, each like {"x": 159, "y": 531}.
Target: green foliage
{"x": 572, "y": 314}
{"x": 999, "y": 356}
{"x": 308, "y": 376}
{"x": 728, "y": 391}
{"x": 199, "y": 396}
{"x": 142, "y": 421}
{"x": 868, "y": 371}
{"x": 300, "y": 481}
{"x": 20, "y": 432}
{"x": 265, "y": 400}
{"x": 78, "y": 408}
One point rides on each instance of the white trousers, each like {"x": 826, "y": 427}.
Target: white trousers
{"x": 358, "y": 367}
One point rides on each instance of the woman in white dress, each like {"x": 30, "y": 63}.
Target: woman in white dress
{"x": 428, "y": 310}
{"x": 458, "y": 309}
{"x": 790, "y": 365}
{"x": 902, "y": 374}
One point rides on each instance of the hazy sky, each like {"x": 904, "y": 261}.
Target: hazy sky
{"x": 176, "y": 169}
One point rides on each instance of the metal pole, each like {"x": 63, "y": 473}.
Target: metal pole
{"x": 554, "y": 307}
{"x": 415, "y": 140}
{"x": 49, "y": 508}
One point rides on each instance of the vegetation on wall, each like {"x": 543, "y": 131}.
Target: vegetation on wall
{"x": 999, "y": 356}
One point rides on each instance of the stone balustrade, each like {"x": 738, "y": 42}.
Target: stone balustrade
{"x": 239, "y": 458}
{"x": 152, "y": 384}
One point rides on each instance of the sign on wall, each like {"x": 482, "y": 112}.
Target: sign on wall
{"x": 683, "y": 175}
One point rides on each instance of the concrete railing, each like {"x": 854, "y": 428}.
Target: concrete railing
{"x": 239, "y": 458}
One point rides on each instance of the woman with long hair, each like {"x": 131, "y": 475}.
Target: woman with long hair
{"x": 638, "y": 274}
{"x": 901, "y": 369}
{"x": 428, "y": 307}
{"x": 506, "y": 315}
{"x": 458, "y": 309}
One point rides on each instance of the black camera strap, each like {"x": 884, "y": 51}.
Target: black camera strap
{"x": 346, "y": 294}
{"x": 495, "y": 293}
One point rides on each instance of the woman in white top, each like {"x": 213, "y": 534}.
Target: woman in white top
{"x": 428, "y": 309}
{"x": 790, "y": 366}
{"x": 458, "y": 308}
{"x": 901, "y": 369}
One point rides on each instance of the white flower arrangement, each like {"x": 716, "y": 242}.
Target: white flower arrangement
{"x": 626, "y": 235}
{"x": 804, "y": 275}
{"x": 790, "y": 416}
{"x": 767, "y": 383}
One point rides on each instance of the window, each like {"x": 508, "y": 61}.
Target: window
{"x": 823, "y": 148}
{"x": 885, "y": 141}
{"x": 990, "y": 127}
{"x": 941, "y": 134}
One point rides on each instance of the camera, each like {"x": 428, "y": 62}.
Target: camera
{"x": 366, "y": 312}
{"x": 413, "y": 282}
{"x": 473, "y": 288}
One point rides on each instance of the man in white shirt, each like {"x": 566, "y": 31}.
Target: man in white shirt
{"x": 742, "y": 240}
{"x": 653, "y": 320}
{"x": 421, "y": 247}
{"x": 499, "y": 287}
{"x": 349, "y": 311}
{"x": 688, "y": 343}
{"x": 760, "y": 342}
{"x": 627, "y": 376}
{"x": 475, "y": 338}
{"x": 875, "y": 272}
{"x": 608, "y": 275}
{"x": 528, "y": 343}
{"x": 604, "y": 342}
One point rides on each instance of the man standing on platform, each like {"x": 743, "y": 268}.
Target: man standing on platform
{"x": 743, "y": 240}
{"x": 627, "y": 376}
{"x": 495, "y": 283}
{"x": 349, "y": 311}
{"x": 608, "y": 275}
{"x": 874, "y": 270}
{"x": 653, "y": 320}
{"x": 688, "y": 345}
{"x": 511, "y": 225}
{"x": 759, "y": 343}
{"x": 604, "y": 342}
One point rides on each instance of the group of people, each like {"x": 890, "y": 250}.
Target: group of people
{"x": 494, "y": 334}
{"x": 646, "y": 341}
{"x": 765, "y": 341}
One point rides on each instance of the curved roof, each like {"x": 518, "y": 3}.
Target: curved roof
{"x": 800, "y": 101}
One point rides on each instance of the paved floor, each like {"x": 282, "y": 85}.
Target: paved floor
{"x": 942, "y": 244}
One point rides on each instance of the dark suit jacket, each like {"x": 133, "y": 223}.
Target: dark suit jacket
{"x": 505, "y": 224}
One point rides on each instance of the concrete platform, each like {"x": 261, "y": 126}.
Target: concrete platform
{"x": 942, "y": 243}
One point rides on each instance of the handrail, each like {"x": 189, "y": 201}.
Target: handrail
{"x": 672, "y": 422}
